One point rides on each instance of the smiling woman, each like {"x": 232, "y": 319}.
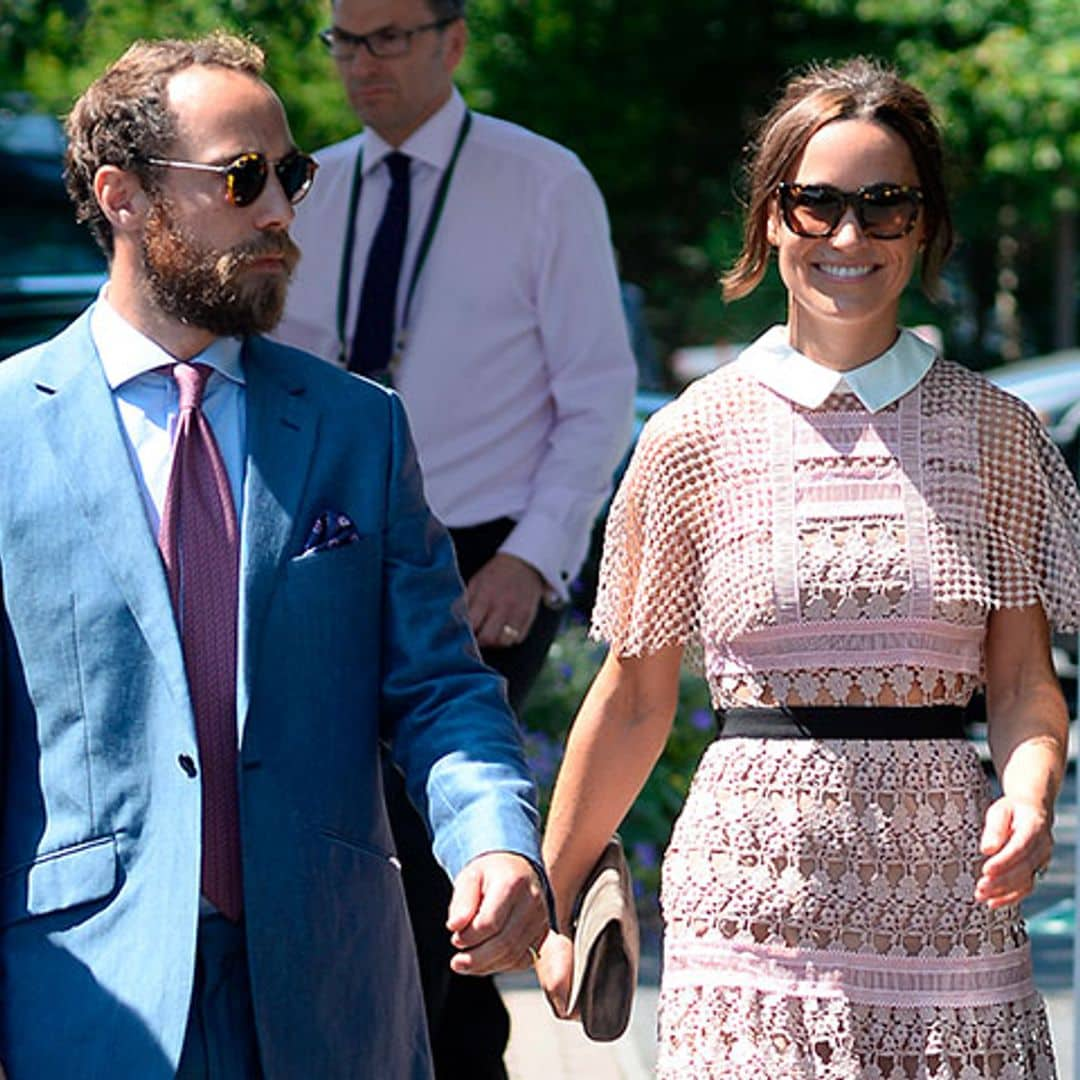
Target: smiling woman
{"x": 844, "y": 282}
{"x": 851, "y": 536}
{"x": 811, "y": 103}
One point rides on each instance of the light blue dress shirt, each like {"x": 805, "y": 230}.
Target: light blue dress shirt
{"x": 148, "y": 403}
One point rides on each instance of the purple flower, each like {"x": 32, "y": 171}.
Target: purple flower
{"x": 645, "y": 855}
{"x": 702, "y": 719}
{"x": 543, "y": 755}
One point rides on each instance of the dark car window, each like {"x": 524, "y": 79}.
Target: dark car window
{"x": 50, "y": 267}
{"x": 37, "y": 222}
{"x": 44, "y": 239}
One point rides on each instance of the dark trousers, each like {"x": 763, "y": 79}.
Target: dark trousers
{"x": 220, "y": 1043}
{"x": 468, "y": 1022}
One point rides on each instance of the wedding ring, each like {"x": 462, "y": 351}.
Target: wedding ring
{"x": 1040, "y": 871}
{"x": 509, "y": 633}
{"x": 533, "y": 955}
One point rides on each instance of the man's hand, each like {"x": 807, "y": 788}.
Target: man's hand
{"x": 497, "y": 914}
{"x": 503, "y": 597}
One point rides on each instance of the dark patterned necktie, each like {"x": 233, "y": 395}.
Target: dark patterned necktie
{"x": 373, "y": 342}
{"x": 200, "y": 547}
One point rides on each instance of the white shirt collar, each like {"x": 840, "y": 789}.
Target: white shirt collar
{"x": 127, "y": 353}
{"x": 877, "y": 383}
{"x": 432, "y": 142}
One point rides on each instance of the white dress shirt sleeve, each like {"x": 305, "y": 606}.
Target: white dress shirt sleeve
{"x": 592, "y": 378}
{"x": 518, "y": 376}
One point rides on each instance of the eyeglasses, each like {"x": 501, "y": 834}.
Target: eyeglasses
{"x": 246, "y": 177}
{"x": 883, "y": 211}
{"x": 389, "y": 42}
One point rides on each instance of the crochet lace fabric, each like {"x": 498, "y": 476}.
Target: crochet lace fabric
{"x": 820, "y": 921}
{"x": 833, "y": 556}
{"x": 817, "y": 894}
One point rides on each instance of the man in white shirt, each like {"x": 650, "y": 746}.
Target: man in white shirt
{"x": 509, "y": 344}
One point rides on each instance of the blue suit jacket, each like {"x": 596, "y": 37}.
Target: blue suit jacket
{"x": 100, "y": 833}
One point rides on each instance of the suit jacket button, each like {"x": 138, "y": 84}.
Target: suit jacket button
{"x": 187, "y": 763}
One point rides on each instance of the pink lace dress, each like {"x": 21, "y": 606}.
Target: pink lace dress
{"x": 817, "y": 894}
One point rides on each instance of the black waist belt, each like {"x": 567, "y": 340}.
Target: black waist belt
{"x": 842, "y": 722}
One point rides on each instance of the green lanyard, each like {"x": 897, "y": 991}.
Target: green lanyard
{"x": 345, "y": 277}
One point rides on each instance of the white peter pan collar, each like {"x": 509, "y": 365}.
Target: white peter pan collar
{"x": 877, "y": 383}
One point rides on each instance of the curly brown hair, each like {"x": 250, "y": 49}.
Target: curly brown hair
{"x": 858, "y": 89}
{"x": 123, "y": 117}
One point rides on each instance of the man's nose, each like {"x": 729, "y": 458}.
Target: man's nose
{"x": 362, "y": 62}
{"x": 273, "y": 207}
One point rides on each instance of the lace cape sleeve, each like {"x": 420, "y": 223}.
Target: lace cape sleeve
{"x": 1032, "y": 513}
{"x": 649, "y": 594}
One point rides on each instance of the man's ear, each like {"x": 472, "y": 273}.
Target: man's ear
{"x": 121, "y": 196}
{"x": 457, "y": 37}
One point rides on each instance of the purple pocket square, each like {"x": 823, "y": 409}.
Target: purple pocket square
{"x": 329, "y": 530}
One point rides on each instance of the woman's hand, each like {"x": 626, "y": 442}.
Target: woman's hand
{"x": 1028, "y": 732}
{"x": 1018, "y": 842}
{"x": 555, "y": 970}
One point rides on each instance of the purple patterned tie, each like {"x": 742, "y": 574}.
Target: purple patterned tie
{"x": 201, "y": 551}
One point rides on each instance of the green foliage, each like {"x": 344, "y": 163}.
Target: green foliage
{"x": 61, "y": 48}
{"x": 1005, "y": 78}
{"x": 551, "y": 707}
{"x": 656, "y": 99}
{"x": 1005, "y": 75}
{"x": 659, "y": 99}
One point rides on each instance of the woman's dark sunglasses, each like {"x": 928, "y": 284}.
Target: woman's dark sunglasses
{"x": 883, "y": 211}
{"x": 246, "y": 177}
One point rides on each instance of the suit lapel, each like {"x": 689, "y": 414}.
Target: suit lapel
{"x": 81, "y": 425}
{"x": 281, "y": 430}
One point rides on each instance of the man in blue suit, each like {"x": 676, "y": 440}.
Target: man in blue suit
{"x": 173, "y": 902}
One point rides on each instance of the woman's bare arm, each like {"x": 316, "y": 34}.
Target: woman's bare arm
{"x": 619, "y": 734}
{"x": 1028, "y": 730}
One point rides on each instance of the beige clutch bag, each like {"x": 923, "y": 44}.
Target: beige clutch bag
{"x": 606, "y": 947}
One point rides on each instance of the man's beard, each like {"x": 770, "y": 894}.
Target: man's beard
{"x": 211, "y": 289}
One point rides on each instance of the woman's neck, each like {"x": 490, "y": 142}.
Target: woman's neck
{"x": 840, "y": 346}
